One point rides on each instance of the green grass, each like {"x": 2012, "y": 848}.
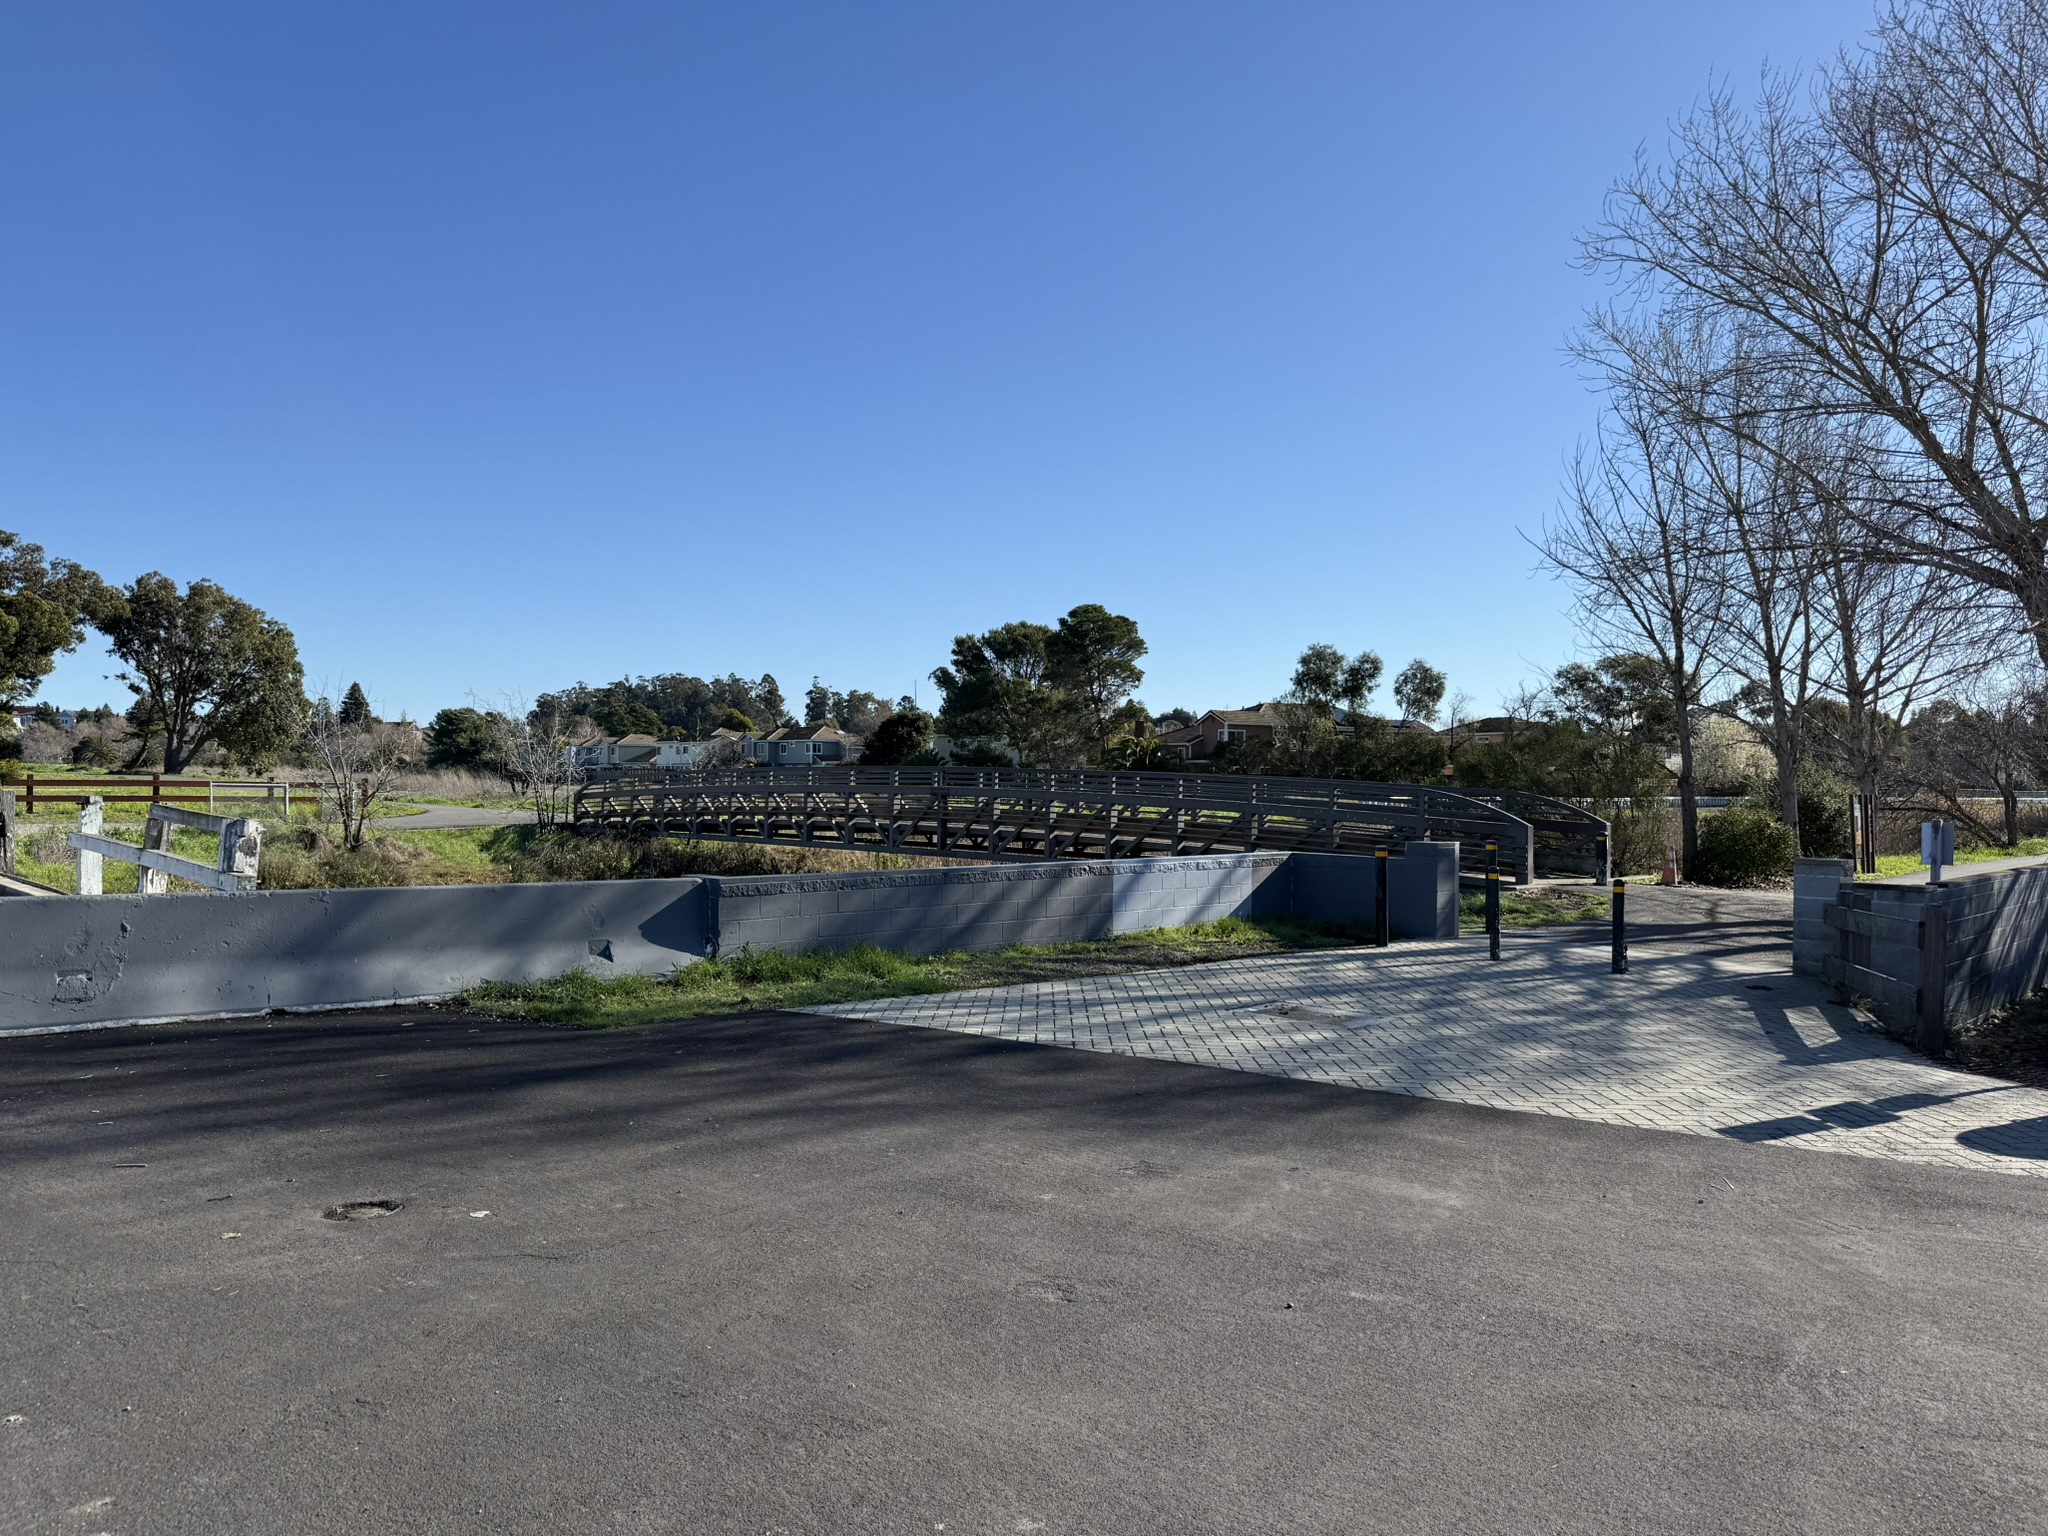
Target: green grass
{"x": 767, "y": 979}
{"x": 1531, "y": 909}
{"x": 1892, "y": 865}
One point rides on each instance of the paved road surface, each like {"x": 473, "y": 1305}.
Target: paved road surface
{"x": 437, "y": 817}
{"x": 789, "y": 1274}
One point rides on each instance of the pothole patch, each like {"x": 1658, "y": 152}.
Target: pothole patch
{"x": 362, "y": 1210}
{"x": 1304, "y": 1014}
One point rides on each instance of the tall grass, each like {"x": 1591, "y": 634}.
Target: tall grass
{"x": 771, "y": 979}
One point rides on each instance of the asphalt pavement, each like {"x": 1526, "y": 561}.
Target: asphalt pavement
{"x": 780, "y": 1273}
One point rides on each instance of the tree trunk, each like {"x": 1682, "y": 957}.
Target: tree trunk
{"x": 1787, "y": 753}
{"x": 1688, "y": 795}
{"x": 2012, "y": 815}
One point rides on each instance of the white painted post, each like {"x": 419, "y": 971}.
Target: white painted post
{"x": 241, "y": 845}
{"x": 91, "y": 817}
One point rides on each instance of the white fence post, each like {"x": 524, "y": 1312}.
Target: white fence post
{"x": 91, "y": 817}
{"x": 241, "y": 845}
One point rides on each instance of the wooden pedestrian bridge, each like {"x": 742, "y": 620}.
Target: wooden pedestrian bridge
{"x": 1035, "y": 813}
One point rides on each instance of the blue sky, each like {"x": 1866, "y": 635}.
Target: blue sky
{"x": 495, "y": 346}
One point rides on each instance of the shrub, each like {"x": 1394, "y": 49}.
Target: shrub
{"x": 1639, "y": 836}
{"x": 899, "y": 739}
{"x": 1742, "y": 846}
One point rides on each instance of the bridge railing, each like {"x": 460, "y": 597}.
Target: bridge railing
{"x": 1570, "y": 840}
{"x": 1246, "y": 810}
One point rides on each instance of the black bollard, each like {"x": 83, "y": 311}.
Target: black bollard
{"x": 1382, "y": 928}
{"x": 1620, "y": 962}
{"x": 1601, "y": 873}
{"x": 1493, "y": 900}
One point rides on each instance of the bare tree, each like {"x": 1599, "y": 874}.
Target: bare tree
{"x": 1962, "y": 749}
{"x": 357, "y": 764}
{"x": 535, "y": 745}
{"x": 1886, "y": 235}
{"x": 1634, "y": 540}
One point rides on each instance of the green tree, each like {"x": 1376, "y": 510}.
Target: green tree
{"x": 206, "y": 669}
{"x": 904, "y": 735}
{"x": 464, "y": 738}
{"x": 1053, "y": 693}
{"x": 355, "y": 708}
{"x": 1000, "y": 684}
{"x": 1092, "y": 659}
{"x": 43, "y": 607}
{"x": 735, "y": 721}
{"x": 1419, "y": 691}
{"x": 625, "y": 717}
{"x": 818, "y": 704}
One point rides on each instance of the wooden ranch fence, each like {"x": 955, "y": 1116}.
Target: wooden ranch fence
{"x": 155, "y": 790}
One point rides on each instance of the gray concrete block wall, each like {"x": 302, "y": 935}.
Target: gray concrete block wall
{"x": 1422, "y": 892}
{"x": 1422, "y": 889}
{"x": 1995, "y": 943}
{"x": 1176, "y": 893}
{"x": 1997, "y": 939}
{"x": 1816, "y": 884}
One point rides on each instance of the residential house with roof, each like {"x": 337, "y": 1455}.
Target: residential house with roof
{"x": 802, "y": 745}
{"x": 1200, "y": 741}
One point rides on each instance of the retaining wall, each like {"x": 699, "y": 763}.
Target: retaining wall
{"x": 70, "y": 961}
{"x": 1931, "y": 957}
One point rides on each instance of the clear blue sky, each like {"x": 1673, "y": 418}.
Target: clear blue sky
{"x": 493, "y": 346}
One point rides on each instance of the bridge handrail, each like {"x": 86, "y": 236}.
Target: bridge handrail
{"x": 1414, "y": 810}
{"x": 1228, "y": 792}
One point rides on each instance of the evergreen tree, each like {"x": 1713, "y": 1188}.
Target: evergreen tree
{"x": 355, "y": 707}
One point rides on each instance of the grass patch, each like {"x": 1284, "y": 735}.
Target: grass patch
{"x": 1531, "y": 909}
{"x": 1892, "y": 865}
{"x": 768, "y": 979}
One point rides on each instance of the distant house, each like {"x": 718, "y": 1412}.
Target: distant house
{"x": 639, "y": 751}
{"x": 1493, "y": 731}
{"x": 801, "y": 745}
{"x": 1200, "y": 741}
{"x": 25, "y": 714}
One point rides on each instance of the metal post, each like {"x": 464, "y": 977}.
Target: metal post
{"x": 1492, "y": 900}
{"x": 1382, "y": 928}
{"x": 1619, "y": 964}
{"x": 1602, "y": 873}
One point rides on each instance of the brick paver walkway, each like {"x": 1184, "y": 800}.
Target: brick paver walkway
{"x": 1712, "y": 1043}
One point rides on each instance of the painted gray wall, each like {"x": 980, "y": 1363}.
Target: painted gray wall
{"x": 1815, "y": 885}
{"x": 1995, "y": 944}
{"x": 921, "y": 912}
{"x": 76, "y": 961}
{"x": 70, "y": 960}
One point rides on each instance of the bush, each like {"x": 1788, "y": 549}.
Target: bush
{"x": 1742, "y": 846}
{"x": 94, "y": 752}
{"x": 1823, "y": 810}
{"x": 899, "y": 739}
{"x": 1639, "y": 837}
